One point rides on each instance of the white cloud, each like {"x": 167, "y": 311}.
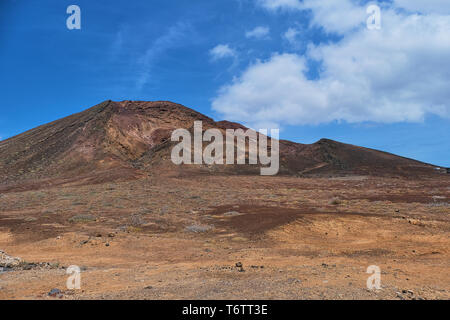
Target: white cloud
{"x": 280, "y": 4}
{"x": 333, "y": 15}
{"x": 258, "y": 33}
{"x": 271, "y": 91}
{"x": 344, "y": 15}
{"x": 397, "y": 74}
{"x": 291, "y": 35}
{"x": 175, "y": 36}
{"x": 336, "y": 15}
{"x": 222, "y": 51}
{"x": 424, "y": 6}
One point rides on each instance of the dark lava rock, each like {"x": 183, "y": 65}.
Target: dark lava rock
{"x": 55, "y": 293}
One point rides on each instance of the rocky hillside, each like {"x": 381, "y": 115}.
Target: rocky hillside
{"x": 123, "y": 140}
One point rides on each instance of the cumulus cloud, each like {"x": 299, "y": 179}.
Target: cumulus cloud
{"x": 333, "y": 15}
{"x": 400, "y": 73}
{"x": 424, "y": 6}
{"x": 258, "y": 33}
{"x": 271, "y": 91}
{"x": 222, "y": 51}
{"x": 338, "y": 16}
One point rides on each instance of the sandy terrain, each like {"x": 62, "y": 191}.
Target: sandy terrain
{"x": 181, "y": 238}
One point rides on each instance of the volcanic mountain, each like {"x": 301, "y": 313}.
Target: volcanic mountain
{"x": 127, "y": 139}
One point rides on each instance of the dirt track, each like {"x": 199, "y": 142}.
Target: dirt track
{"x": 180, "y": 238}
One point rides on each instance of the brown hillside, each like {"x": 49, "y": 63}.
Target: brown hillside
{"x": 123, "y": 140}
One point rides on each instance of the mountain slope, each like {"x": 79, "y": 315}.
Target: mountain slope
{"x": 122, "y": 140}
{"x": 107, "y": 136}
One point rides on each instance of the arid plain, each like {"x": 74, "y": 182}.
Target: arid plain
{"x": 181, "y": 238}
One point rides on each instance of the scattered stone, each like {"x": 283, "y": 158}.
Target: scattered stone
{"x": 148, "y": 287}
{"x": 111, "y": 235}
{"x": 399, "y": 295}
{"x": 28, "y": 266}
{"x": 107, "y": 244}
{"x": 415, "y": 222}
{"x": 293, "y": 280}
{"x": 240, "y": 267}
{"x": 56, "y": 293}
{"x": 7, "y": 261}
{"x": 98, "y": 235}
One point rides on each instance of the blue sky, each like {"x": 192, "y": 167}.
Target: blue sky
{"x": 283, "y": 63}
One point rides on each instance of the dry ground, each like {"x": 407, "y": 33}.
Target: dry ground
{"x": 180, "y": 238}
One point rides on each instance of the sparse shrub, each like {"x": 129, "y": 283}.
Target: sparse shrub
{"x": 335, "y": 201}
{"x": 232, "y": 213}
{"x": 136, "y": 220}
{"x": 78, "y": 203}
{"x": 48, "y": 211}
{"x": 131, "y": 229}
{"x": 82, "y": 218}
{"x": 439, "y": 204}
{"x": 198, "y": 228}
{"x": 145, "y": 210}
{"x": 163, "y": 210}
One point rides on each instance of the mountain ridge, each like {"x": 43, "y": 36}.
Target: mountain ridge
{"x": 127, "y": 139}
